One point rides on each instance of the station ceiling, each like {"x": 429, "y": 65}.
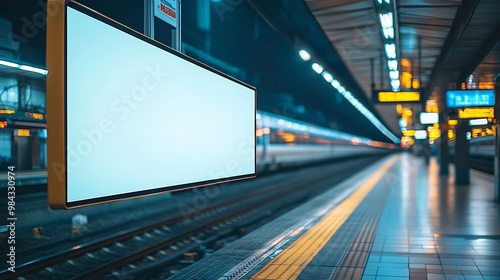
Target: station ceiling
{"x": 442, "y": 43}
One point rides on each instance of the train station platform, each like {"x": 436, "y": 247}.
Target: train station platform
{"x": 396, "y": 219}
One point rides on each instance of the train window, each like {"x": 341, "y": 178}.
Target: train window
{"x": 291, "y": 138}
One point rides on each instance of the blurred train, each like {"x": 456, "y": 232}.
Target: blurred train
{"x": 284, "y": 141}
{"x": 483, "y": 147}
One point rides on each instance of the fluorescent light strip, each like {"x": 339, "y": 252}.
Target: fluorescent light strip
{"x": 354, "y": 101}
{"x": 24, "y": 67}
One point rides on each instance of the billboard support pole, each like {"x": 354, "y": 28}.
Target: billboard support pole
{"x": 149, "y": 19}
{"x": 176, "y": 33}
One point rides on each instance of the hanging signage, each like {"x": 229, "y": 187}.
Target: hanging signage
{"x": 396, "y": 96}
{"x": 166, "y": 10}
{"x": 470, "y": 98}
{"x": 429, "y": 118}
{"x": 476, "y": 113}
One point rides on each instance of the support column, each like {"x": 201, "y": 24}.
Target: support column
{"x": 496, "y": 185}
{"x": 496, "y": 136}
{"x": 444, "y": 159}
{"x": 462, "y": 158}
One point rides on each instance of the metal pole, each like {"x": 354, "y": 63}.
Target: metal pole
{"x": 496, "y": 183}
{"x": 372, "y": 68}
{"x": 382, "y": 69}
{"x": 149, "y": 20}
{"x": 420, "y": 59}
{"x": 443, "y": 151}
{"x": 497, "y": 164}
{"x": 176, "y": 33}
{"x": 462, "y": 159}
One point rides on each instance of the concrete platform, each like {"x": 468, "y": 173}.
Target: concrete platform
{"x": 396, "y": 219}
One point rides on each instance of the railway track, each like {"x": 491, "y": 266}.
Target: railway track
{"x": 147, "y": 249}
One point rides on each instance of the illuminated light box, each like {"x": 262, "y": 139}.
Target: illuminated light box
{"x": 396, "y": 96}
{"x": 128, "y": 116}
{"x": 409, "y": 133}
{"x": 477, "y": 112}
{"x": 470, "y": 98}
{"x": 478, "y": 122}
{"x": 420, "y": 134}
{"x": 429, "y": 118}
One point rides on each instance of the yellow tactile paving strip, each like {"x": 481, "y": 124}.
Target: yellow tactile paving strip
{"x": 290, "y": 263}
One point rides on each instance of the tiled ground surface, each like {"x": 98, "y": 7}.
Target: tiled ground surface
{"x": 432, "y": 229}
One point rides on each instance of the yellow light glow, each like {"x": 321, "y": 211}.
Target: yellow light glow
{"x": 38, "y": 116}
{"x": 6, "y": 111}
{"x": 476, "y": 113}
{"x": 23, "y": 132}
{"x": 409, "y": 132}
{"x": 398, "y": 96}
{"x": 451, "y": 134}
{"x": 452, "y": 122}
{"x": 406, "y": 79}
{"x": 431, "y": 106}
{"x": 486, "y": 85}
{"x": 416, "y": 83}
{"x": 407, "y": 112}
{"x": 434, "y": 135}
{"x": 399, "y": 109}
{"x": 405, "y": 62}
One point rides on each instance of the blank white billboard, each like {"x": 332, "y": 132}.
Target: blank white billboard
{"x": 140, "y": 118}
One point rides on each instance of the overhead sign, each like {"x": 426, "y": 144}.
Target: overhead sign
{"x": 396, "y": 96}
{"x": 420, "y": 134}
{"x": 131, "y": 117}
{"x": 409, "y": 133}
{"x": 429, "y": 118}
{"x": 166, "y": 10}
{"x": 476, "y": 113}
{"x": 474, "y": 122}
{"x": 470, "y": 98}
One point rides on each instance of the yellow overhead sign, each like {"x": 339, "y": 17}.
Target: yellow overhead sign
{"x": 474, "y": 113}
{"x": 409, "y": 132}
{"x": 398, "y": 96}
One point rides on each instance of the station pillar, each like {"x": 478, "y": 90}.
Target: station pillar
{"x": 497, "y": 163}
{"x": 444, "y": 159}
{"x": 462, "y": 158}
{"x": 497, "y": 140}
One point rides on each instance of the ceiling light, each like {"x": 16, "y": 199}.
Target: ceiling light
{"x": 317, "y": 68}
{"x": 386, "y": 20}
{"x": 395, "y": 83}
{"x": 304, "y": 55}
{"x": 9, "y": 64}
{"x": 388, "y": 33}
{"x": 393, "y": 64}
{"x": 24, "y": 67}
{"x": 390, "y": 50}
{"x": 327, "y": 76}
{"x": 336, "y": 84}
{"x": 394, "y": 74}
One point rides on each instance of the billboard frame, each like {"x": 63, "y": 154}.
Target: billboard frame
{"x": 57, "y": 110}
